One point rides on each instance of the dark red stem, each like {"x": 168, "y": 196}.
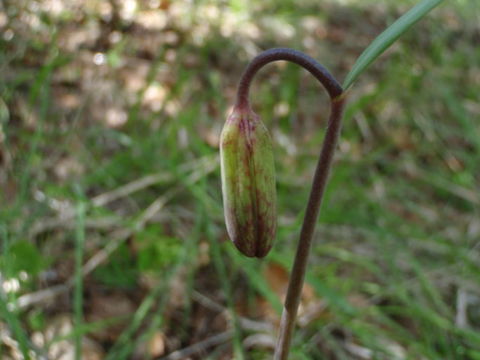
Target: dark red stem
{"x": 314, "y": 67}
{"x": 297, "y": 276}
{"x": 337, "y": 98}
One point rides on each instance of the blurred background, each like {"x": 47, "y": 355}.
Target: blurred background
{"x": 113, "y": 243}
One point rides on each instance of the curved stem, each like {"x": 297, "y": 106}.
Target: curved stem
{"x": 316, "y": 69}
{"x": 337, "y": 97}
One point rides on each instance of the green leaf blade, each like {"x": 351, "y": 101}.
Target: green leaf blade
{"x": 388, "y": 37}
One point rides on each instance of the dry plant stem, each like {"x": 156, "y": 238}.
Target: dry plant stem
{"x": 320, "y": 178}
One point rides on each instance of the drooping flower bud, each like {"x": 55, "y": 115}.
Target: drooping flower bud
{"x": 248, "y": 183}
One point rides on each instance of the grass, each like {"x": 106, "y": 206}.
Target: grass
{"x": 395, "y": 262}
{"x": 78, "y": 287}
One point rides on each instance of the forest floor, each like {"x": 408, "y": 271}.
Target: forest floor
{"x": 113, "y": 243}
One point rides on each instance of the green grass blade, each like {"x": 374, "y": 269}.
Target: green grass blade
{"x": 222, "y": 273}
{"x": 15, "y": 327}
{"x": 78, "y": 285}
{"x": 11, "y": 317}
{"x": 388, "y": 37}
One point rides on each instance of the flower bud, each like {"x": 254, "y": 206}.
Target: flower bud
{"x": 248, "y": 183}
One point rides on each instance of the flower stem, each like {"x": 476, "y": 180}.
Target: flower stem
{"x": 316, "y": 69}
{"x": 337, "y": 102}
{"x": 297, "y": 276}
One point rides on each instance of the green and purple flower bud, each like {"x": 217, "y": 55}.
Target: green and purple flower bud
{"x": 248, "y": 183}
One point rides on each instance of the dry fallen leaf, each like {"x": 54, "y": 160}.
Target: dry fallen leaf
{"x": 153, "y": 348}
{"x": 109, "y": 306}
{"x": 156, "y": 345}
{"x": 277, "y": 277}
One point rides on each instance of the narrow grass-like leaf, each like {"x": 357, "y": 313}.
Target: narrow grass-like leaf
{"x": 334, "y": 298}
{"x": 123, "y": 346}
{"x": 256, "y": 279}
{"x": 11, "y": 318}
{"x": 78, "y": 287}
{"x": 16, "y": 328}
{"x": 388, "y": 37}
{"x": 188, "y": 257}
{"x": 222, "y": 273}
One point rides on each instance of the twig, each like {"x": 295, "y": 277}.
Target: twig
{"x": 42, "y": 295}
{"x": 200, "y": 346}
{"x": 259, "y": 340}
{"x": 149, "y": 180}
{"x": 207, "y": 302}
{"x": 245, "y": 323}
{"x": 51, "y": 224}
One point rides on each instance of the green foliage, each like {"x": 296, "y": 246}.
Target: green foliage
{"x": 24, "y": 256}
{"x": 156, "y": 251}
{"x": 37, "y": 320}
{"x": 121, "y": 270}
